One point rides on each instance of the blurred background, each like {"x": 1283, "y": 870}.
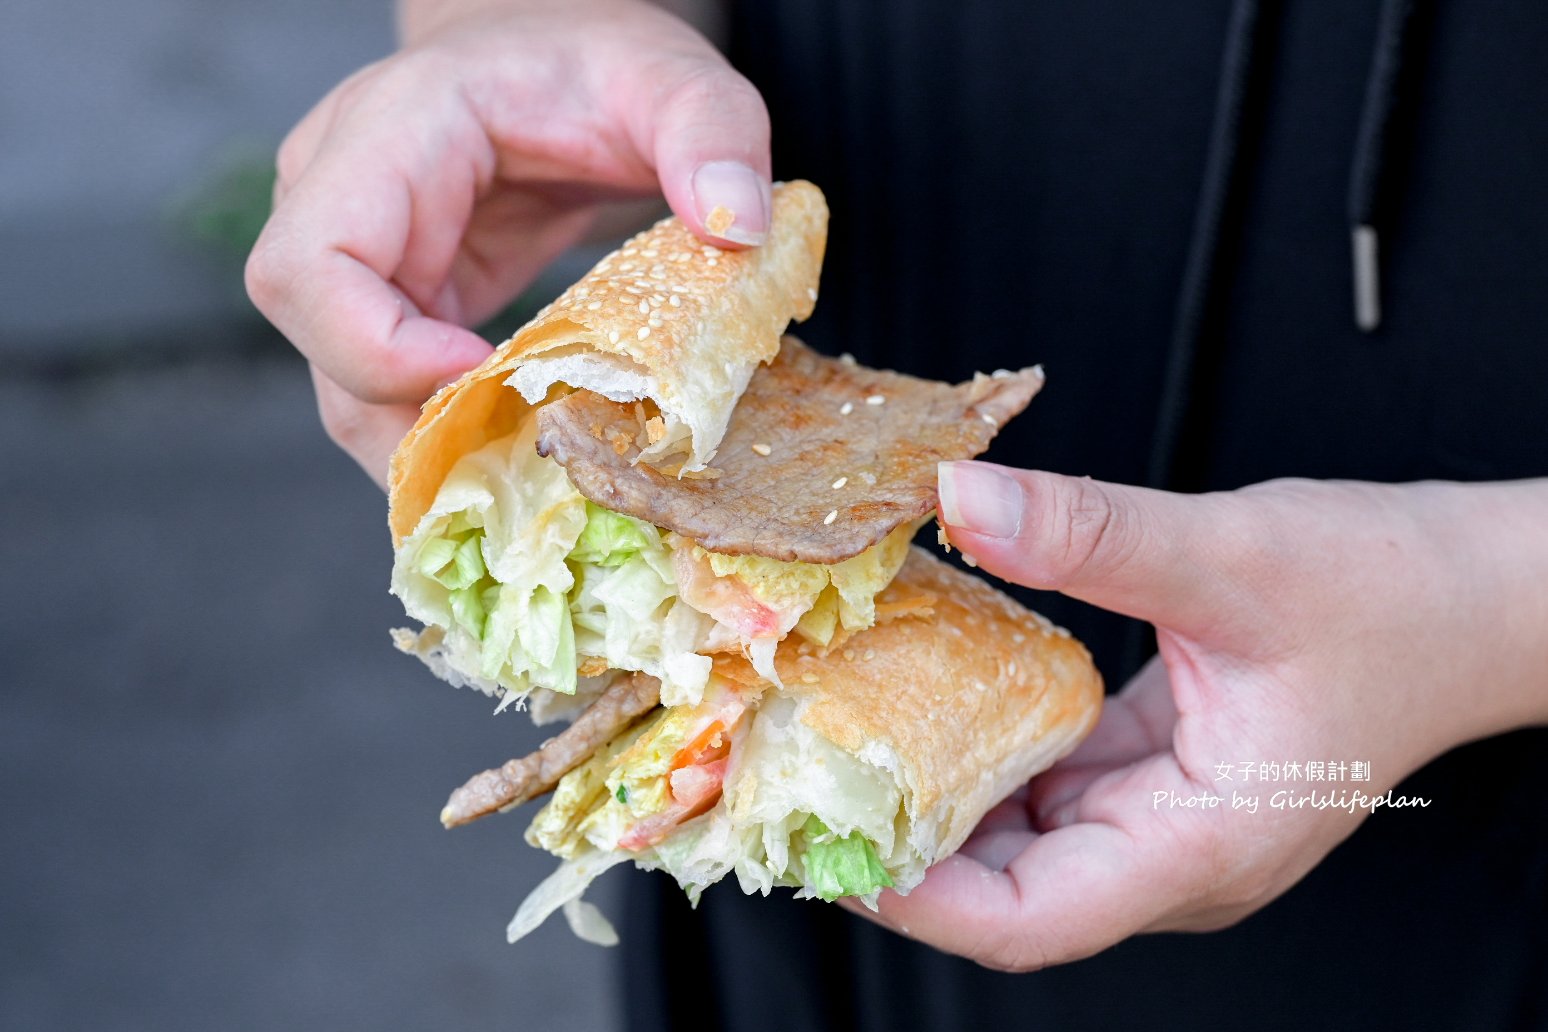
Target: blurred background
{"x": 218, "y": 781}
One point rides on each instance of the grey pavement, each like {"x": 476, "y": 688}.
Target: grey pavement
{"x": 115, "y": 114}
{"x": 218, "y": 781}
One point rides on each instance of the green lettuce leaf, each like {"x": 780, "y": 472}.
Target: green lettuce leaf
{"x": 525, "y": 575}
{"x": 612, "y": 539}
{"x": 845, "y": 866}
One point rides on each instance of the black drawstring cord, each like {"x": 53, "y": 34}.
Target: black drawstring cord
{"x": 1193, "y": 298}
{"x": 1372, "y": 143}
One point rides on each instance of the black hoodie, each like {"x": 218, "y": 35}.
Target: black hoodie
{"x": 1170, "y": 205}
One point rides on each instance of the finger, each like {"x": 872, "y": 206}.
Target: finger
{"x": 1051, "y": 904}
{"x": 1136, "y": 723}
{"x": 1167, "y": 558}
{"x": 706, "y": 130}
{"x": 301, "y": 144}
{"x": 1002, "y": 833}
{"x": 368, "y": 433}
{"x": 513, "y": 236}
{"x": 1069, "y": 894}
{"x": 337, "y": 263}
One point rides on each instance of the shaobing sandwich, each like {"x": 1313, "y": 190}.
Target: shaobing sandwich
{"x": 874, "y": 759}
{"x": 648, "y": 474}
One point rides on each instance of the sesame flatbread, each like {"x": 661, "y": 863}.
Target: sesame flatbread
{"x": 821, "y": 460}
{"x": 665, "y": 318}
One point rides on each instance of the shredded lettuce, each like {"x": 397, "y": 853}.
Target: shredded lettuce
{"x": 612, "y": 539}
{"x": 486, "y": 565}
{"x": 837, "y": 866}
{"x": 569, "y": 880}
{"x": 524, "y": 576}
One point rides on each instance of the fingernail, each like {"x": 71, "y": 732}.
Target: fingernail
{"x": 733, "y": 202}
{"x": 980, "y": 499}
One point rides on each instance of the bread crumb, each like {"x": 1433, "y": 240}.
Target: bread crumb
{"x": 619, "y": 440}
{"x": 720, "y": 220}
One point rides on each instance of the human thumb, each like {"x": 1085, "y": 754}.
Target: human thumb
{"x": 1154, "y": 555}
{"x": 709, "y": 133}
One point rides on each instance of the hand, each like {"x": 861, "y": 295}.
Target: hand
{"x": 1296, "y": 620}
{"x": 429, "y": 189}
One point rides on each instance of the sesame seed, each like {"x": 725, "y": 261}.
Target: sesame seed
{"x": 847, "y": 408}
{"x": 811, "y": 293}
{"x": 828, "y": 519}
{"x": 876, "y": 399}
{"x": 869, "y": 654}
{"x": 626, "y": 267}
{"x": 650, "y": 253}
{"x": 582, "y": 291}
{"x": 630, "y": 252}
{"x": 675, "y": 301}
{"x": 847, "y": 358}
{"x": 644, "y": 332}
{"x": 762, "y": 449}
{"x": 653, "y": 322}
{"x": 987, "y": 418}
{"x": 711, "y": 251}
{"x": 593, "y": 306}
{"x": 840, "y": 482}
{"x": 644, "y": 307}
{"x": 713, "y": 261}
{"x": 612, "y": 338}
{"x": 636, "y": 291}
{"x": 808, "y": 678}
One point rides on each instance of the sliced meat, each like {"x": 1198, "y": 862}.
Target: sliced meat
{"x": 822, "y": 458}
{"x": 532, "y": 775}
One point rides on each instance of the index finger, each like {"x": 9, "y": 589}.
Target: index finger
{"x": 328, "y": 267}
{"x": 1073, "y": 892}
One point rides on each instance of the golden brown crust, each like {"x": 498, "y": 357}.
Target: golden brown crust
{"x": 688, "y": 319}
{"x": 968, "y": 701}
